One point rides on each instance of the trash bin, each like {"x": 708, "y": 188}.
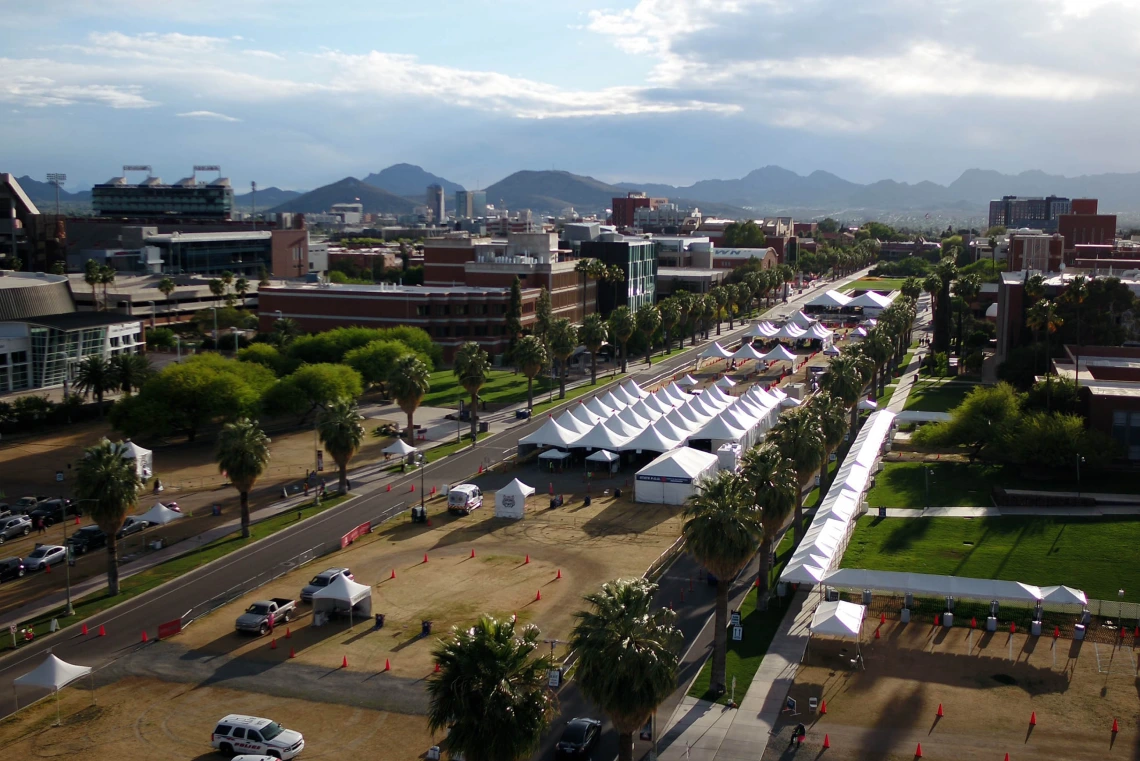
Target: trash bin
{"x": 991, "y": 624}
{"x": 1035, "y": 628}
{"x": 379, "y": 620}
{"x": 425, "y": 628}
{"x": 904, "y": 615}
{"x": 1079, "y": 632}
{"x": 617, "y": 493}
{"x": 484, "y": 426}
{"x": 216, "y": 510}
{"x": 587, "y": 500}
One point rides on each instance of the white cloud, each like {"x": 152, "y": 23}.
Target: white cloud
{"x": 40, "y": 91}
{"x": 211, "y": 115}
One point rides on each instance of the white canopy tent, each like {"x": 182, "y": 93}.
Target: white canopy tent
{"x": 721, "y": 430}
{"x": 400, "y": 448}
{"x": 599, "y": 409}
{"x": 586, "y": 415}
{"x": 635, "y": 390}
{"x": 830, "y": 300}
{"x": 873, "y": 300}
{"x": 651, "y": 440}
{"x": 677, "y": 393}
{"x": 160, "y": 515}
{"x": 630, "y": 417}
{"x": 666, "y": 428}
{"x": 790, "y": 332}
{"x": 716, "y": 394}
{"x": 620, "y": 427}
{"x": 144, "y": 458}
{"x": 819, "y": 332}
{"x": 867, "y": 404}
{"x": 725, "y": 382}
{"x": 571, "y": 423}
{"x": 715, "y": 351}
{"x": 550, "y": 435}
{"x": 838, "y": 619}
{"x": 688, "y": 380}
{"x": 763, "y": 329}
{"x": 747, "y": 352}
{"x": 611, "y": 401}
{"x": 801, "y": 319}
{"x": 343, "y": 595}
{"x": 601, "y": 437}
{"x": 53, "y": 675}
{"x": 667, "y": 400}
{"x": 788, "y": 403}
{"x": 554, "y": 455}
{"x": 643, "y": 410}
{"x": 674, "y": 476}
{"x": 605, "y": 457}
{"x": 780, "y": 353}
{"x": 938, "y": 586}
{"x": 857, "y": 335}
{"x": 510, "y": 501}
{"x": 624, "y": 395}
{"x": 653, "y": 403}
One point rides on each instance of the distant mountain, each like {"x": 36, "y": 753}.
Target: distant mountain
{"x": 43, "y": 193}
{"x": 410, "y": 181}
{"x": 266, "y": 198}
{"x": 551, "y": 191}
{"x": 348, "y": 190}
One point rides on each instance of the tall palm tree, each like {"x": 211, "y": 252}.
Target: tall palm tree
{"x": 832, "y": 413}
{"x": 966, "y": 288}
{"x": 708, "y": 312}
{"x": 628, "y": 653}
{"x": 166, "y": 287}
{"x": 91, "y": 277}
{"x": 799, "y": 437}
{"x": 95, "y": 376}
{"x": 130, "y": 371}
{"x": 648, "y": 320}
{"x": 622, "y": 327}
{"x": 670, "y": 315}
{"x": 408, "y": 383}
{"x": 771, "y": 479}
{"x": 843, "y": 379}
{"x": 879, "y": 348}
{"x": 471, "y": 367}
{"x": 722, "y": 529}
{"x": 1043, "y": 318}
{"x": 593, "y": 334}
{"x": 108, "y": 483}
{"x": 563, "y": 337}
{"x": 530, "y": 356}
{"x": 684, "y": 301}
{"x": 241, "y": 288}
{"x": 342, "y": 434}
{"x": 106, "y": 277}
{"x": 242, "y": 456}
{"x": 491, "y": 691}
{"x": 912, "y": 287}
{"x": 720, "y": 296}
{"x": 217, "y": 288}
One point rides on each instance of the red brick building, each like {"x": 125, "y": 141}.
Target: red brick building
{"x": 1085, "y": 227}
{"x": 1035, "y": 250}
{"x": 623, "y": 208}
{"x": 1109, "y": 381}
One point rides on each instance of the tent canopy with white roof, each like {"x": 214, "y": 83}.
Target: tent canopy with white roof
{"x": 790, "y": 332}
{"x": 606, "y": 458}
{"x": 763, "y": 329}
{"x": 651, "y": 440}
{"x": 838, "y": 619}
{"x": 674, "y": 477}
{"x": 571, "y": 423}
{"x": 801, "y": 319}
{"x": 586, "y": 415}
{"x": 144, "y": 458}
{"x": 400, "y": 448}
{"x": 715, "y": 351}
{"x": 635, "y": 390}
{"x": 725, "y": 382}
{"x": 780, "y": 354}
{"x": 747, "y": 352}
{"x": 601, "y": 437}
{"x": 510, "y": 501}
{"x": 53, "y": 675}
{"x": 873, "y": 299}
{"x": 688, "y": 380}
{"x": 343, "y": 595}
{"x": 611, "y": 401}
{"x": 160, "y": 515}
{"x": 830, "y": 300}
{"x": 550, "y": 435}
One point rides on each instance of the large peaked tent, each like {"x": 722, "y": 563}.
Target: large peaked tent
{"x": 160, "y": 515}
{"x": 830, "y": 300}
{"x": 53, "y": 675}
{"x": 674, "y": 476}
{"x": 551, "y": 435}
{"x": 343, "y": 595}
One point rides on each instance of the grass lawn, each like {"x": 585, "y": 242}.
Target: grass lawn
{"x": 885, "y": 398}
{"x": 743, "y": 657}
{"x": 938, "y": 397}
{"x": 876, "y": 284}
{"x": 1090, "y": 554}
{"x": 171, "y": 569}
{"x": 502, "y": 387}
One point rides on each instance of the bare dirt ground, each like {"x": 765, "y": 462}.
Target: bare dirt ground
{"x": 589, "y": 545}
{"x": 144, "y": 719}
{"x": 885, "y": 711}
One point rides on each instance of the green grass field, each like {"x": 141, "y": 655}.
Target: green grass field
{"x": 875, "y": 284}
{"x": 938, "y": 397}
{"x": 503, "y": 387}
{"x": 1090, "y": 554}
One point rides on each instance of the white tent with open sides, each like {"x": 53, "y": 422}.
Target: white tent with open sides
{"x": 842, "y": 620}
{"x": 674, "y": 476}
{"x": 715, "y": 351}
{"x": 144, "y": 458}
{"x": 510, "y": 501}
{"x": 830, "y": 300}
{"x": 344, "y": 596}
{"x": 53, "y": 675}
{"x": 550, "y": 435}
{"x": 160, "y": 515}
{"x": 400, "y": 448}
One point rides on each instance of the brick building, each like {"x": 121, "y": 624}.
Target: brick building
{"x": 1035, "y": 250}
{"x": 1085, "y": 227}
{"x": 624, "y": 209}
{"x": 1109, "y": 381}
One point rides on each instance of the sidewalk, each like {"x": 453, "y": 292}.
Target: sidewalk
{"x": 906, "y": 381}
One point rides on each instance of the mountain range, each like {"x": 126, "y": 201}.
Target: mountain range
{"x": 410, "y": 181}
{"x": 349, "y": 190}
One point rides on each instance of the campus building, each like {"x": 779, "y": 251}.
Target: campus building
{"x": 1039, "y": 213}
{"x": 153, "y": 198}
{"x": 637, "y": 257}
{"x": 1108, "y": 378}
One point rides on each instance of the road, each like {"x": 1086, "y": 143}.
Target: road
{"x": 253, "y": 566}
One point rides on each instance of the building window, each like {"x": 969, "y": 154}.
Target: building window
{"x": 422, "y": 310}
{"x": 1126, "y": 430}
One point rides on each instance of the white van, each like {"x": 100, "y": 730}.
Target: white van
{"x": 464, "y": 498}
{"x": 252, "y": 735}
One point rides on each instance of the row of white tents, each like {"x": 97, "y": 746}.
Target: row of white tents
{"x": 748, "y": 351}
{"x": 870, "y": 301}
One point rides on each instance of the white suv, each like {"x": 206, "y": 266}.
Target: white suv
{"x": 252, "y": 735}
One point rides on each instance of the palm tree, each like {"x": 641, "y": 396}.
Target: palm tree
{"x": 95, "y": 376}
{"x": 241, "y": 288}
{"x": 108, "y": 483}
{"x": 166, "y": 287}
{"x": 648, "y": 320}
{"x": 91, "y": 277}
{"x": 130, "y": 371}
{"x": 590, "y": 269}
{"x": 471, "y": 367}
{"x": 622, "y": 326}
{"x": 771, "y": 478}
{"x": 879, "y": 348}
{"x": 628, "y": 653}
{"x": 408, "y": 382}
{"x": 1043, "y": 318}
{"x": 563, "y": 341}
{"x": 593, "y": 334}
{"x": 843, "y": 379}
{"x": 708, "y": 312}
{"x": 912, "y": 287}
{"x": 722, "y": 529}
{"x": 242, "y": 456}
{"x": 530, "y": 356}
{"x": 966, "y": 288}
{"x": 217, "y": 289}
{"x": 684, "y": 301}
{"x": 491, "y": 691}
{"x": 799, "y": 437}
{"x": 670, "y": 312}
{"x": 832, "y": 413}
{"x": 341, "y": 433}
{"x": 285, "y": 330}
{"x": 720, "y": 296}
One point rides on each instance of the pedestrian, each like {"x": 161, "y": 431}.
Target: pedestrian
{"x": 40, "y": 527}
{"x": 306, "y": 488}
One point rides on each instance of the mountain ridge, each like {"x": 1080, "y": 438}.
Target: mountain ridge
{"x": 347, "y": 190}
{"x": 410, "y": 181}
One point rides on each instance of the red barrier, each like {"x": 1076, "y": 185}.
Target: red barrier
{"x": 356, "y": 533}
{"x": 170, "y": 628}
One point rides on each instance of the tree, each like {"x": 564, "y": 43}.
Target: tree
{"x": 832, "y": 415}
{"x": 543, "y": 315}
{"x": 531, "y": 357}
{"x": 670, "y": 312}
{"x": 1043, "y": 318}
{"x": 745, "y": 234}
{"x": 628, "y": 654}
{"x": 514, "y": 315}
{"x": 593, "y": 334}
{"x": 241, "y": 288}
{"x": 491, "y": 691}
{"x": 130, "y": 371}
{"x": 979, "y": 422}
{"x": 471, "y": 367}
{"x": 285, "y": 330}
{"x": 966, "y": 288}
{"x": 265, "y": 355}
{"x": 95, "y": 376}
{"x": 563, "y": 341}
{"x": 107, "y": 483}
{"x": 106, "y": 277}
{"x": 341, "y": 433}
{"x": 91, "y": 277}
{"x": 844, "y": 380}
{"x": 720, "y": 296}
{"x": 166, "y": 287}
{"x": 912, "y": 287}
{"x": 684, "y": 301}
{"x": 722, "y": 529}
{"x": 374, "y": 360}
{"x": 242, "y": 456}
{"x": 313, "y": 387}
{"x": 217, "y": 288}
{"x": 263, "y": 275}
{"x": 590, "y": 269}
{"x": 622, "y": 327}
{"x": 771, "y": 478}
{"x": 799, "y": 437}
{"x": 408, "y": 383}
{"x": 708, "y": 312}
{"x": 648, "y": 320}
{"x": 1051, "y": 443}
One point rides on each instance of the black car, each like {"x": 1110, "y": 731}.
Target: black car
{"x": 578, "y": 739}
{"x": 5, "y": 510}
{"x": 86, "y": 539}
{"x": 11, "y": 568}
{"x": 53, "y": 511}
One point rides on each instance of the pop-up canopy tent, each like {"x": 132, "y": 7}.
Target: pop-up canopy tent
{"x": 747, "y": 352}
{"x": 144, "y": 458}
{"x": 53, "y": 675}
{"x": 830, "y": 300}
{"x": 599, "y": 409}
{"x": 674, "y": 476}
{"x": 611, "y": 401}
{"x": 650, "y": 440}
{"x": 644, "y": 410}
{"x": 571, "y": 423}
{"x": 601, "y": 437}
{"x": 510, "y": 501}
{"x": 634, "y": 390}
{"x": 160, "y": 515}
{"x": 867, "y": 404}
{"x": 839, "y": 619}
{"x": 791, "y": 332}
{"x": 607, "y": 459}
{"x": 873, "y": 300}
{"x": 821, "y": 333}
{"x": 726, "y": 382}
{"x": 763, "y": 329}
{"x": 801, "y": 319}
{"x": 780, "y": 354}
{"x": 345, "y": 596}
{"x": 688, "y": 380}
{"x": 550, "y": 435}
{"x": 400, "y": 448}
{"x": 586, "y": 415}
{"x": 716, "y": 351}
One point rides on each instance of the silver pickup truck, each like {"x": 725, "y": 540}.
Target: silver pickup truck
{"x": 263, "y": 615}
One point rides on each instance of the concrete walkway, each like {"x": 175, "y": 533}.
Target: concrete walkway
{"x": 997, "y": 512}
{"x": 906, "y": 381}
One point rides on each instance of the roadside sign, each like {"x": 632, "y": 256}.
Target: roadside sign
{"x": 320, "y": 460}
{"x": 735, "y": 620}
{"x": 59, "y": 475}
{"x": 553, "y": 677}
{"x": 737, "y": 633}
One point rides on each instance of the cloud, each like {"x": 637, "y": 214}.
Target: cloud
{"x": 41, "y": 92}
{"x": 211, "y": 115}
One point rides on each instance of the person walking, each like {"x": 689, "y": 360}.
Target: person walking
{"x": 40, "y": 527}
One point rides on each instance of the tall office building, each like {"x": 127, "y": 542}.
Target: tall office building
{"x": 1039, "y": 213}
{"x": 436, "y": 204}
{"x": 470, "y": 204}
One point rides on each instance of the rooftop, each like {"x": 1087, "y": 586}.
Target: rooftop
{"x": 80, "y": 320}
{"x": 209, "y": 237}
{"x": 693, "y": 272}
{"x": 10, "y": 279}
{"x": 402, "y": 290}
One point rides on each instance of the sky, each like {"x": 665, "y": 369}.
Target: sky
{"x": 298, "y": 94}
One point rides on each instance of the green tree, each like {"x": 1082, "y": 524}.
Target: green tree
{"x": 843, "y": 379}
{"x": 108, "y": 485}
{"x": 263, "y": 276}
{"x": 471, "y": 367}
{"x": 265, "y": 355}
{"x": 531, "y": 357}
{"x": 1044, "y": 318}
{"x": 242, "y": 456}
{"x": 543, "y": 315}
{"x": 130, "y": 371}
{"x": 622, "y": 328}
{"x": 342, "y": 434}
{"x": 167, "y": 287}
{"x": 721, "y": 531}
{"x": 514, "y": 315}
{"x": 720, "y": 296}
{"x": 593, "y": 335}
{"x": 563, "y": 337}
{"x": 745, "y": 234}
{"x": 91, "y": 277}
{"x": 106, "y": 278}
{"x": 95, "y": 376}
{"x": 967, "y": 288}
{"x": 285, "y": 330}
{"x": 799, "y": 437}
{"x": 241, "y": 288}
{"x": 670, "y": 316}
{"x": 408, "y": 383}
{"x": 771, "y": 479}
{"x": 980, "y": 422}
{"x": 832, "y": 414}
{"x": 217, "y": 288}
{"x": 491, "y": 691}
{"x": 912, "y": 287}
{"x": 628, "y": 654}
{"x": 1051, "y": 443}
{"x": 313, "y": 387}
{"x": 684, "y": 301}
{"x": 648, "y": 320}
{"x": 374, "y": 360}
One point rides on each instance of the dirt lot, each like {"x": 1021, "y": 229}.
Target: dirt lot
{"x": 887, "y": 710}
{"x": 145, "y": 719}
{"x": 589, "y": 545}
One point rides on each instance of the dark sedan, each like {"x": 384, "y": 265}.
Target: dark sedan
{"x": 578, "y": 740}
{"x": 11, "y": 568}
{"x": 87, "y": 539}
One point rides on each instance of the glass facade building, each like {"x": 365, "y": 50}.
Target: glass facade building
{"x": 43, "y": 352}
{"x": 151, "y": 199}
{"x": 637, "y": 257}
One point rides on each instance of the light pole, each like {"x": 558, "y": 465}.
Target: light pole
{"x": 69, "y": 610}
{"x": 215, "y": 311}
{"x": 422, "y": 462}
{"x": 253, "y": 203}
{"x": 1079, "y": 461}
{"x": 153, "y": 309}
{"x": 57, "y": 179}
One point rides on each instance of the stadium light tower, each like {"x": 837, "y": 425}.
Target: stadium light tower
{"x": 57, "y": 179}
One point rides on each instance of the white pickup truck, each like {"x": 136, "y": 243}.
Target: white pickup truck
{"x": 263, "y": 615}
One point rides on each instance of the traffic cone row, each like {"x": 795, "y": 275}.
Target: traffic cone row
{"x": 288, "y": 633}
{"x": 273, "y": 644}
{"x": 102, "y": 631}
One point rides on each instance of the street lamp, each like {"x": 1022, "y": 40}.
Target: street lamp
{"x": 153, "y": 309}
{"x": 1080, "y": 460}
{"x": 421, "y": 460}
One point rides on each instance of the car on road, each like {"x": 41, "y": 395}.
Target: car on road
{"x": 11, "y": 568}
{"x": 25, "y": 505}
{"x": 45, "y": 555}
{"x": 5, "y": 510}
{"x": 263, "y": 615}
{"x": 578, "y": 740}
{"x": 253, "y": 735}
{"x": 132, "y": 525}
{"x": 14, "y": 526}
{"x": 53, "y": 511}
{"x": 87, "y": 539}
{"x": 322, "y": 580}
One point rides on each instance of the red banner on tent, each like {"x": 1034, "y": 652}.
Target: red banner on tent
{"x": 356, "y": 533}
{"x": 170, "y": 628}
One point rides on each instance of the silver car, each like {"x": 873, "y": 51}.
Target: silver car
{"x": 322, "y": 580}
{"x": 14, "y": 526}
{"x": 45, "y": 555}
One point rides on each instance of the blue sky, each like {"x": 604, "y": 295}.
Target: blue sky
{"x": 297, "y": 94}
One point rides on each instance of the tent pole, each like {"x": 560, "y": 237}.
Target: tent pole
{"x": 58, "y": 721}
{"x": 91, "y": 676}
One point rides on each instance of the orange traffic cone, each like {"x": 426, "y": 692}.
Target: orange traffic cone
{"x": 83, "y": 631}
{"x": 472, "y": 552}
{"x": 939, "y": 714}
{"x": 144, "y": 637}
{"x": 77, "y": 520}
{"x": 1056, "y": 632}
{"x": 973, "y": 623}
{"x": 559, "y": 576}
{"x": 826, "y": 742}
{"x": 413, "y": 488}
{"x": 538, "y": 596}
{"x": 527, "y": 561}
{"x": 918, "y": 751}
{"x": 437, "y": 667}
{"x": 1033, "y": 719}
{"x": 389, "y": 487}
{"x": 102, "y": 631}
{"x": 47, "y": 569}
{"x": 292, "y": 653}
{"x": 882, "y": 618}
{"x": 344, "y": 661}
{"x": 1115, "y": 726}
{"x": 393, "y": 574}
{"x": 425, "y": 557}
{"x": 288, "y": 633}
{"x": 387, "y": 665}
{"x": 273, "y": 644}
{"x": 1012, "y": 628}
{"x": 1006, "y": 757}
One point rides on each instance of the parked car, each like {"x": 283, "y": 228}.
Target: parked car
{"x": 45, "y": 555}
{"x": 578, "y": 740}
{"x": 464, "y": 498}
{"x": 263, "y": 615}
{"x": 87, "y": 539}
{"x": 11, "y": 568}
{"x": 14, "y": 526}
{"x": 5, "y": 510}
{"x": 25, "y": 505}
{"x": 253, "y": 735}
{"x": 53, "y": 511}
{"x": 132, "y": 525}
{"x": 322, "y": 580}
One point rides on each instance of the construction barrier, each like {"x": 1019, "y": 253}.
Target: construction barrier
{"x": 170, "y": 628}
{"x": 356, "y": 533}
